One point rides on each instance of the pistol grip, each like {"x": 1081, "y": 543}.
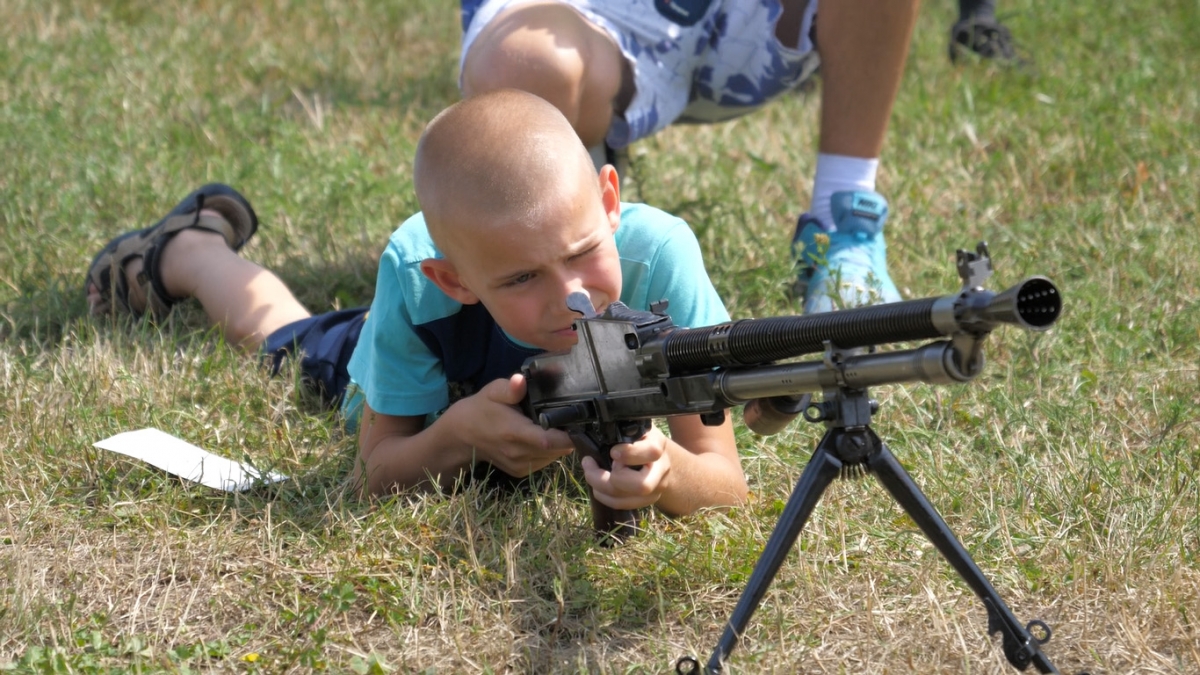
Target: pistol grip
{"x": 613, "y": 526}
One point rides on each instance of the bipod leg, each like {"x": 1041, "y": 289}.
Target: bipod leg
{"x": 820, "y": 471}
{"x": 1020, "y": 645}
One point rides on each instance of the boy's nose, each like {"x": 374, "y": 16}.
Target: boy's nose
{"x": 571, "y": 283}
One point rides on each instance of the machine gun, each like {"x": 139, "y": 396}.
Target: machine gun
{"x": 630, "y": 367}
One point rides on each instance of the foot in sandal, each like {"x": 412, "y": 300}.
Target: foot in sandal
{"x": 127, "y": 275}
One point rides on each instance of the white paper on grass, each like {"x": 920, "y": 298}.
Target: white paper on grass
{"x": 180, "y": 458}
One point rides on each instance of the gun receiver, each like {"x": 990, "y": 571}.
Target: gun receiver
{"x": 630, "y": 367}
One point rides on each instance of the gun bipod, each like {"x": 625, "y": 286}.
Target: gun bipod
{"x": 849, "y": 442}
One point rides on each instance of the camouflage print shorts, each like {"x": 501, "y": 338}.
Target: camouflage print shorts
{"x": 693, "y": 60}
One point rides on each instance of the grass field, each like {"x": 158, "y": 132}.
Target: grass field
{"x": 1069, "y": 469}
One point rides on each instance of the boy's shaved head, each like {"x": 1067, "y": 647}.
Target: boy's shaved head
{"x": 520, "y": 215}
{"x": 495, "y": 157}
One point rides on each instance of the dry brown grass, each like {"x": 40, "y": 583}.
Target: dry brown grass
{"x": 1069, "y": 470}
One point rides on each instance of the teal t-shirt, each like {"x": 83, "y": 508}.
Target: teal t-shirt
{"x": 419, "y": 349}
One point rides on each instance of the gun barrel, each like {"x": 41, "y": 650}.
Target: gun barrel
{"x": 933, "y": 363}
{"x": 1033, "y": 304}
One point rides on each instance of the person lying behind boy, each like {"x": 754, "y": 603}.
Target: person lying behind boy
{"x": 514, "y": 218}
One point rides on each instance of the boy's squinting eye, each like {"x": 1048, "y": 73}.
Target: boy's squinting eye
{"x": 519, "y": 279}
{"x": 585, "y": 252}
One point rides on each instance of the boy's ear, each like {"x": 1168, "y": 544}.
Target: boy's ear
{"x": 610, "y": 194}
{"x": 442, "y": 273}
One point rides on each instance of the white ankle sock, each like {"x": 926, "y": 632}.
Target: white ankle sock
{"x": 837, "y": 173}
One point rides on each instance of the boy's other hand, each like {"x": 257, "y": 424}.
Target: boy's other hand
{"x": 637, "y": 476}
{"x": 492, "y": 422}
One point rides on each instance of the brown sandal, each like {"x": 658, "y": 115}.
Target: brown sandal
{"x": 237, "y": 224}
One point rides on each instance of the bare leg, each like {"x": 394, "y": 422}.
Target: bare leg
{"x": 550, "y": 50}
{"x": 863, "y": 46}
{"x": 246, "y": 301}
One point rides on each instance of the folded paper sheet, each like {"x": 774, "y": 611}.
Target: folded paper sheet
{"x": 180, "y": 458}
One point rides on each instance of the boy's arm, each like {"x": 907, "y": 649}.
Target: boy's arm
{"x": 391, "y": 457}
{"x": 696, "y": 467}
{"x": 398, "y": 452}
{"x": 705, "y": 468}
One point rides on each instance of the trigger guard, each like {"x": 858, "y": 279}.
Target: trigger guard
{"x": 635, "y": 430}
{"x": 641, "y": 428}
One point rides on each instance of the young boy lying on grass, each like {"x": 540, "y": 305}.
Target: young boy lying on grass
{"x": 513, "y": 219}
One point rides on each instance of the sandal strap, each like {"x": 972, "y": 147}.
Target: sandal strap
{"x": 240, "y": 223}
{"x": 158, "y": 300}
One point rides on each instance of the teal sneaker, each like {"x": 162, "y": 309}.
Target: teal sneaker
{"x": 846, "y": 268}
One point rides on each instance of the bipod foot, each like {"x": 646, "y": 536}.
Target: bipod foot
{"x": 1021, "y": 648}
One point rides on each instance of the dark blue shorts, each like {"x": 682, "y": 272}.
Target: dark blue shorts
{"x": 324, "y": 343}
